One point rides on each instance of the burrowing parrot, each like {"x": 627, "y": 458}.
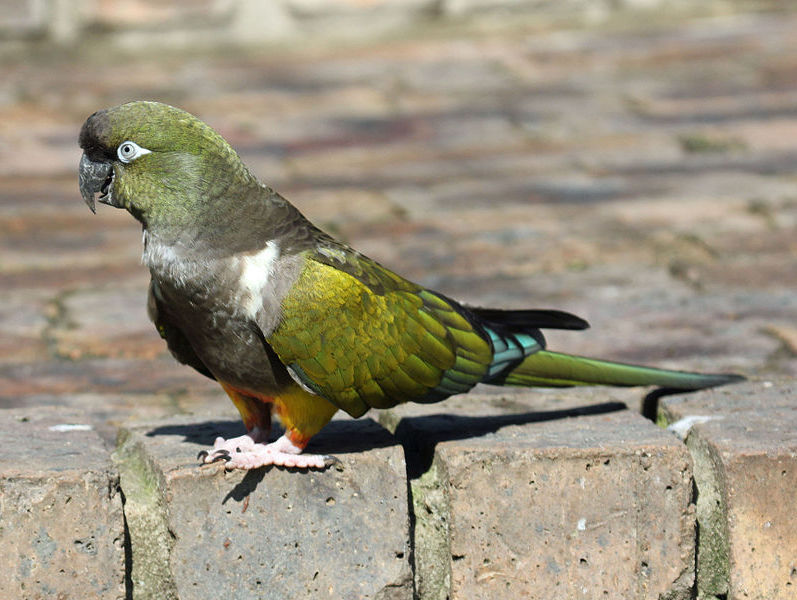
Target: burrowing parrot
{"x": 286, "y": 318}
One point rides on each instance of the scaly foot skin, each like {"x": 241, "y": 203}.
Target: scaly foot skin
{"x": 238, "y": 453}
{"x": 223, "y": 448}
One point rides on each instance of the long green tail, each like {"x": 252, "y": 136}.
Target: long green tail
{"x": 553, "y": 369}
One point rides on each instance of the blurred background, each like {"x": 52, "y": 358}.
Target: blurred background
{"x": 632, "y": 161}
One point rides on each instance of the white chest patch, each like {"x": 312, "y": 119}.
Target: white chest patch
{"x": 164, "y": 260}
{"x": 256, "y": 271}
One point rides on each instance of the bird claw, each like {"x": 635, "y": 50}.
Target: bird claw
{"x": 206, "y": 458}
{"x": 333, "y": 461}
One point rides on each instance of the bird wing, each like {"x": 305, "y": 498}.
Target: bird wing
{"x": 361, "y": 336}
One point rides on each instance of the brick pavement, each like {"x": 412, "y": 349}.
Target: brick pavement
{"x": 640, "y": 176}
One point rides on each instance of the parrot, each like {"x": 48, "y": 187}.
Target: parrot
{"x": 291, "y": 322}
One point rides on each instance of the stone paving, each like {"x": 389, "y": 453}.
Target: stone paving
{"x": 640, "y": 175}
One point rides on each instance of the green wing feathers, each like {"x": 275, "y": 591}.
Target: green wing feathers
{"x": 361, "y": 348}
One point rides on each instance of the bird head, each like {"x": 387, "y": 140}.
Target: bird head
{"x": 160, "y": 163}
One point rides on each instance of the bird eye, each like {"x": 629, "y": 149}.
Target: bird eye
{"x": 128, "y": 151}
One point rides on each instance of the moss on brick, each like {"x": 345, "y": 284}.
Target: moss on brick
{"x": 145, "y": 514}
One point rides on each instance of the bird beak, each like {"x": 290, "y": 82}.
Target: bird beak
{"x": 96, "y": 177}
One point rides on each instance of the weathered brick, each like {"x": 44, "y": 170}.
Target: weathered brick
{"x": 350, "y": 18}
{"x": 141, "y": 13}
{"x": 111, "y": 321}
{"x": 573, "y": 498}
{"x": 21, "y": 17}
{"x": 743, "y": 440}
{"x": 61, "y": 523}
{"x": 201, "y": 532}
{"x": 23, "y": 321}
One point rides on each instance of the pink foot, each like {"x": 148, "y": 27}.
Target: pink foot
{"x": 222, "y": 448}
{"x": 244, "y": 453}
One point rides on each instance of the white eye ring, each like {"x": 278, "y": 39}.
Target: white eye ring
{"x": 128, "y": 151}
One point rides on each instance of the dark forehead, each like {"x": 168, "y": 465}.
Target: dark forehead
{"x": 95, "y": 134}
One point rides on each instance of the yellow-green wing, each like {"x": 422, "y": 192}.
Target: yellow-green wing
{"x": 368, "y": 338}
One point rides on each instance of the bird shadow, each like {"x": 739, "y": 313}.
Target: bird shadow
{"x": 339, "y": 436}
{"x": 650, "y": 404}
{"x": 419, "y": 436}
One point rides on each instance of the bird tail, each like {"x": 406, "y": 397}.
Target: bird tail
{"x": 520, "y": 357}
{"x": 554, "y": 369}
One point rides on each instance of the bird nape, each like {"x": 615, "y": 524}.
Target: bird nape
{"x": 289, "y": 320}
